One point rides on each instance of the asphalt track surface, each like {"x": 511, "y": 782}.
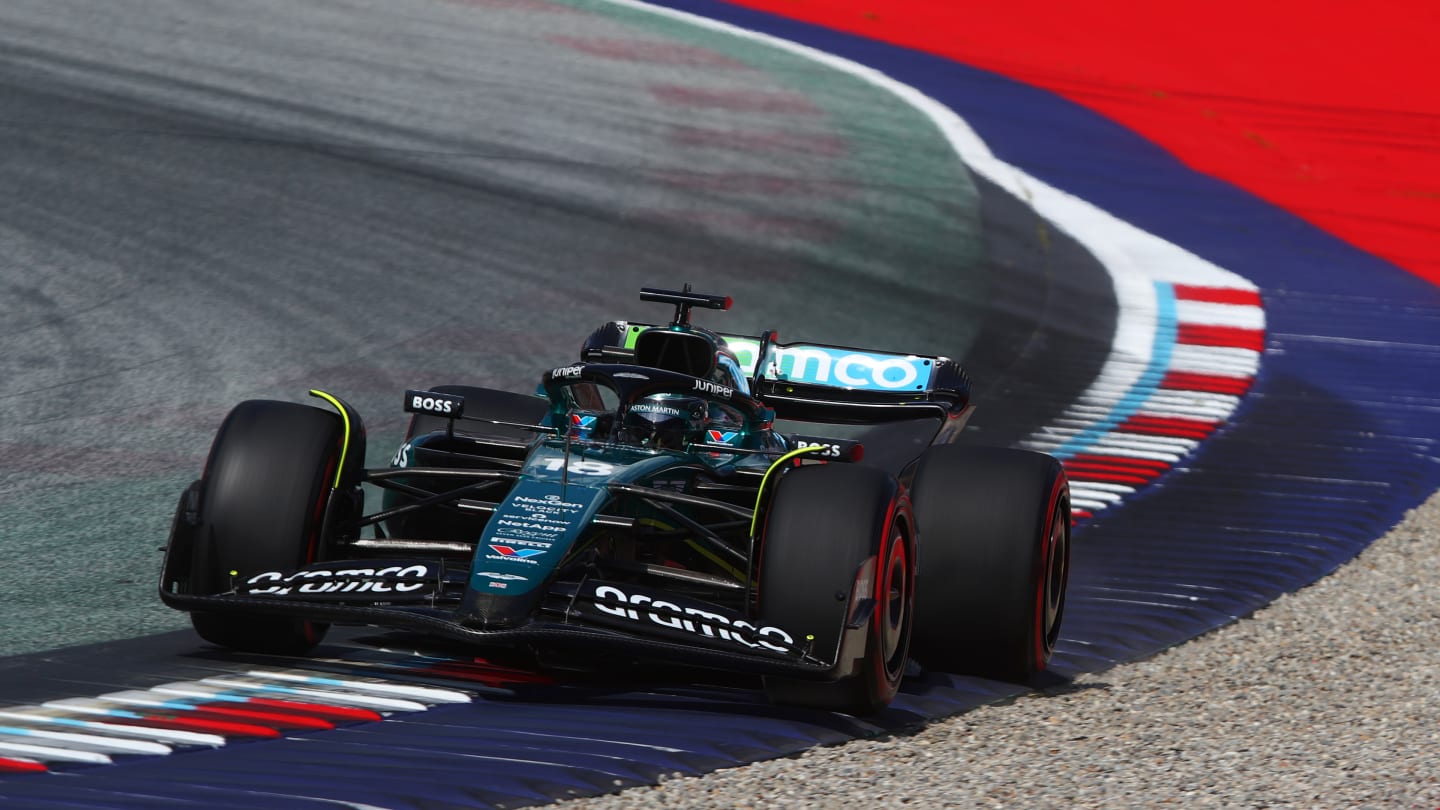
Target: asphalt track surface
{"x": 214, "y": 202}
{"x": 217, "y": 203}
{"x": 211, "y": 202}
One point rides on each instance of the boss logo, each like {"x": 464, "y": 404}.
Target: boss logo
{"x": 826, "y": 450}
{"x": 819, "y": 447}
{"x": 433, "y": 403}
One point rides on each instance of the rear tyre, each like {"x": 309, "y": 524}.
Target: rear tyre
{"x": 994, "y": 525}
{"x": 262, "y": 505}
{"x": 837, "y": 550}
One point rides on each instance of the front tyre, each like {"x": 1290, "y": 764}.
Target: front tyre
{"x": 837, "y": 563}
{"x": 995, "y": 543}
{"x": 262, "y": 505}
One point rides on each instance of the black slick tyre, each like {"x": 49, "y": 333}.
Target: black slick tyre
{"x": 837, "y": 564}
{"x": 262, "y": 506}
{"x": 994, "y": 528}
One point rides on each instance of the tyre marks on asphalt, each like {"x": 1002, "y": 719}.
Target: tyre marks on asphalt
{"x": 854, "y": 184}
{"x": 777, "y": 141}
{"x": 725, "y": 202}
{"x": 648, "y": 52}
{"x": 735, "y": 100}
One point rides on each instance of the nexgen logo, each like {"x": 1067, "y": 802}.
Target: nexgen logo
{"x": 822, "y": 365}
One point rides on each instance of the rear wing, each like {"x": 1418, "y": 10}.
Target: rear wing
{"x": 822, "y": 382}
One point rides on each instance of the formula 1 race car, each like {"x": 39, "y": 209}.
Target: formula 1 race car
{"x": 647, "y": 504}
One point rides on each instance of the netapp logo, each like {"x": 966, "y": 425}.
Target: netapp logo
{"x": 638, "y": 608}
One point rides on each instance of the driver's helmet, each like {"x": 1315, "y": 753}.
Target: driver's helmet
{"x": 665, "y": 421}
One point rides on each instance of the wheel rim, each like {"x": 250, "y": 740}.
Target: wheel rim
{"x": 895, "y": 607}
{"x": 1057, "y": 575}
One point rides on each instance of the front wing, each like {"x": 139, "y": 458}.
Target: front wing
{"x": 594, "y": 615}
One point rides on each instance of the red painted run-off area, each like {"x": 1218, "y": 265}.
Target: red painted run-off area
{"x": 1329, "y": 110}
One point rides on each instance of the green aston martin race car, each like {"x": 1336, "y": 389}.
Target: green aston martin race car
{"x": 799, "y": 511}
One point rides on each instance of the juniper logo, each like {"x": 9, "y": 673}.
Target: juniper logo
{"x": 714, "y": 389}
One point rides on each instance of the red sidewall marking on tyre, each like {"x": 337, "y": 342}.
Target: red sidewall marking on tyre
{"x": 1042, "y": 630}
{"x": 312, "y": 545}
{"x": 882, "y": 588}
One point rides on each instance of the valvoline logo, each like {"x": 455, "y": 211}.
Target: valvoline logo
{"x": 825, "y": 365}
{"x": 519, "y": 553}
{"x": 582, "y": 422}
{"x": 719, "y": 437}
